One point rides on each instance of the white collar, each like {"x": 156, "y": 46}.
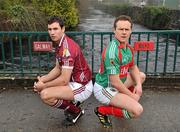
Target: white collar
{"x": 61, "y": 40}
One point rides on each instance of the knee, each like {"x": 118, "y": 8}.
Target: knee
{"x": 44, "y": 95}
{"x": 46, "y": 98}
{"x": 138, "y": 111}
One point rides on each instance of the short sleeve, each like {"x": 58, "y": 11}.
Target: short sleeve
{"x": 68, "y": 62}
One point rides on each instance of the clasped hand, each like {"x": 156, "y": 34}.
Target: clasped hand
{"x": 137, "y": 92}
{"x": 38, "y": 86}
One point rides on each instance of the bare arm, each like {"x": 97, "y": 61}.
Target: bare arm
{"x": 118, "y": 84}
{"x": 62, "y": 80}
{"x": 134, "y": 71}
{"x": 135, "y": 74}
{"x": 54, "y": 73}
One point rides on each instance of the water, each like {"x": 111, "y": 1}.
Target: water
{"x": 172, "y": 4}
{"x": 94, "y": 20}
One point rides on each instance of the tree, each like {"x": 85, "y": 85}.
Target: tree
{"x": 66, "y": 9}
{"x": 32, "y": 15}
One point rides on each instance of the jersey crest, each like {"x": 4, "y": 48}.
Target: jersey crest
{"x": 66, "y": 52}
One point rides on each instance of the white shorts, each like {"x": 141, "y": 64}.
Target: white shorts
{"x": 81, "y": 92}
{"x": 104, "y": 95}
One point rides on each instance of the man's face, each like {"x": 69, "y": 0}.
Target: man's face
{"x": 123, "y": 31}
{"x": 55, "y": 31}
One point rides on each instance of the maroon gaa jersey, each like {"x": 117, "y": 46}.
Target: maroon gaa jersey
{"x": 69, "y": 55}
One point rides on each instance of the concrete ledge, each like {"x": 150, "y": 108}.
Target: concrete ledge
{"x": 20, "y": 82}
{"x": 170, "y": 81}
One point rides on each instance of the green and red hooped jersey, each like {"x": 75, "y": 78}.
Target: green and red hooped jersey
{"x": 116, "y": 59}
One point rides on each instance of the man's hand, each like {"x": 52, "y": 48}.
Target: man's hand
{"x": 138, "y": 90}
{"x": 35, "y": 89}
{"x": 38, "y": 86}
{"x": 39, "y": 78}
{"x": 136, "y": 97}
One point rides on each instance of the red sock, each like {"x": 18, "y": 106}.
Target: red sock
{"x": 118, "y": 112}
{"x": 110, "y": 110}
{"x": 64, "y": 104}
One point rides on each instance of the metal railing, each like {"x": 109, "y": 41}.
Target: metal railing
{"x": 17, "y": 58}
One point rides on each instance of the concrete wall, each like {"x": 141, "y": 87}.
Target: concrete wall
{"x": 163, "y": 82}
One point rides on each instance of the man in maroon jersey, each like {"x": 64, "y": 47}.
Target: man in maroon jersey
{"x": 71, "y": 78}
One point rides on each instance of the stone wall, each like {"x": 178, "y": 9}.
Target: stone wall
{"x": 175, "y": 23}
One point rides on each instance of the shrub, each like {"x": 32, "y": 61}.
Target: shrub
{"x": 156, "y": 17}
{"x": 63, "y": 8}
{"x": 19, "y": 17}
{"x": 32, "y": 15}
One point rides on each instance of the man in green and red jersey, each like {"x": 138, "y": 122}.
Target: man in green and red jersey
{"x": 71, "y": 78}
{"x": 118, "y": 84}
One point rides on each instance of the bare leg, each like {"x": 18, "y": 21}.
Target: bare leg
{"x": 52, "y": 94}
{"x": 124, "y": 101}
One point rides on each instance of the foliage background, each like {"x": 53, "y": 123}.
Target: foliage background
{"x": 32, "y": 15}
{"x": 153, "y": 17}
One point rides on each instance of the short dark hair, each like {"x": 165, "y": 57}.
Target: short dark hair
{"x": 123, "y": 18}
{"x": 57, "y": 19}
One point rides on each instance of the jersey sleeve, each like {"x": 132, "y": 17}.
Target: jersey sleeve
{"x": 111, "y": 61}
{"x": 68, "y": 59}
